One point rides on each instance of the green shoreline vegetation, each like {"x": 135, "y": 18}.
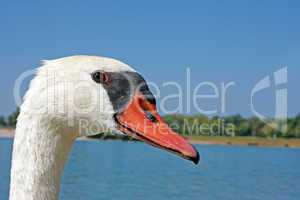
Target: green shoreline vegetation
{"x": 229, "y": 130}
{"x": 199, "y": 125}
{"x": 9, "y": 121}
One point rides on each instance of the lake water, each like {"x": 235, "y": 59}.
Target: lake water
{"x": 128, "y": 170}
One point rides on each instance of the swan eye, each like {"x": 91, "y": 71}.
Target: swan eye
{"x": 101, "y": 77}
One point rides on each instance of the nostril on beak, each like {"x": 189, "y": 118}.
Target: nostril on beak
{"x": 151, "y": 117}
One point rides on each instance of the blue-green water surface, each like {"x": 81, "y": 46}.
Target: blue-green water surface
{"x": 130, "y": 170}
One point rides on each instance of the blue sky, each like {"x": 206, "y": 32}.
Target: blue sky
{"x": 221, "y": 41}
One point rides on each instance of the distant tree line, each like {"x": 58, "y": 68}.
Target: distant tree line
{"x": 235, "y": 125}
{"x": 11, "y": 120}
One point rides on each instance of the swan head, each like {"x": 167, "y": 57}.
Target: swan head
{"x": 88, "y": 95}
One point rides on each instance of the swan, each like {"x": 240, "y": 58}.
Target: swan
{"x": 78, "y": 96}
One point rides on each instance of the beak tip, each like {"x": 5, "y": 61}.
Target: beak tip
{"x": 196, "y": 159}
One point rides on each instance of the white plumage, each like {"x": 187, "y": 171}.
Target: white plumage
{"x": 81, "y": 96}
{"x": 60, "y": 97}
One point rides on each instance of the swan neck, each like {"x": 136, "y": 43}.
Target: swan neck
{"x": 39, "y": 154}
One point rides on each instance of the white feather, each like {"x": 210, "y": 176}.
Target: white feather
{"x": 49, "y": 122}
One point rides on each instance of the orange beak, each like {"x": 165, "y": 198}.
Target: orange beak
{"x": 141, "y": 121}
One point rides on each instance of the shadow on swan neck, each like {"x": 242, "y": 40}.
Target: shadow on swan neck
{"x": 40, "y": 150}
